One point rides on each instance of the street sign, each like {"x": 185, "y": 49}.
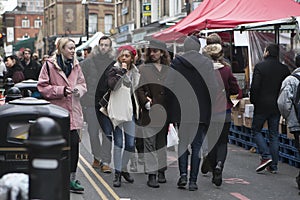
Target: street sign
{"x": 146, "y": 9}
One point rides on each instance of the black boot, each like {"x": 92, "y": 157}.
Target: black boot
{"x": 127, "y": 177}
{"x": 217, "y": 174}
{"x": 205, "y": 167}
{"x": 182, "y": 182}
{"x": 162, "y": 177}
{"x": 152, "y": 181}
{"x": 117, "y": 180}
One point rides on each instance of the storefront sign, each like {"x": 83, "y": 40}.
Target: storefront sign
{"x": 146, "y": 9}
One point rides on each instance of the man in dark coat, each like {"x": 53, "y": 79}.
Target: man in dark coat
{"x": 95, "y": 69}
{"x": 31, "y": 67}
{"x": 192, "y": 89}
{"x": 266, "y": 82}
{"x": 150, "y": 94}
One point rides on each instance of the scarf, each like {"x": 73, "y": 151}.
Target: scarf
{"x": 65, "y": 64}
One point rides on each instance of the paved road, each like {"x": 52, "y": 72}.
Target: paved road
{"x": 240, "y": 181}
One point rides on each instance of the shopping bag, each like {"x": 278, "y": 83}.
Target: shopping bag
{"x": 119, "y": 106}
{"x": 172, "y": 137}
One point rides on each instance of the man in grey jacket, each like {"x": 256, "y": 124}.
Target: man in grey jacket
{"x": 285, "y": 101}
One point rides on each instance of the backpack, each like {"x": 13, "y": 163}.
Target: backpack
{"x": 296, "y": 103}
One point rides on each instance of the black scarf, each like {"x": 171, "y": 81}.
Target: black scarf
{"x": 65, "y": 65}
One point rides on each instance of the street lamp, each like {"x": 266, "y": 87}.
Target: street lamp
{"x": 86, "y": 12}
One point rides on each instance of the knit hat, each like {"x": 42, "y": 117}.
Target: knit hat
{"x": 215, "y": 51}
{"x": 129, "y": 48}
{"x": 192, "y": 43}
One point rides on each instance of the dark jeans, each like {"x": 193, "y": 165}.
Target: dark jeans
{"x": 271, "y": 150}
{"x": 190, "y": 134}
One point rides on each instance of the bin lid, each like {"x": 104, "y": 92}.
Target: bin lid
{"x": 27, "y": 84}
{"x": 29, "y": 101}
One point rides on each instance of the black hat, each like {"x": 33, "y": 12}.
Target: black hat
{"x": 156, "y": 44}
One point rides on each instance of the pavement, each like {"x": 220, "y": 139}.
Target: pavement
{"x": 240, "y": 181}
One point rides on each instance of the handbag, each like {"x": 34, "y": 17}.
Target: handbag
{"x": 103, "y": 102}
{"x": 119, "y": 106}
{"x": 172, "y": 137}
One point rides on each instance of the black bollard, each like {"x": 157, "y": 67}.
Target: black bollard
{"x": 45, "y": 148}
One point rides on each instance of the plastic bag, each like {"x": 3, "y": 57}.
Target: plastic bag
{"x": 172, "y": 137}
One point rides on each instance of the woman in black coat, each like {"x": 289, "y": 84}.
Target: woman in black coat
{"x": 14, "y": 69}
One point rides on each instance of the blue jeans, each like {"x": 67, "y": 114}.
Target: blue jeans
{"x": 100, "y": 151}
{"x": 194, "y": 135}
{"x": 272, "y": 150}
{"x": 121, "y": 157}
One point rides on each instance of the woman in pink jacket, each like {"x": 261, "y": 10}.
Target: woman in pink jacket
{"x": 62, "y": 83}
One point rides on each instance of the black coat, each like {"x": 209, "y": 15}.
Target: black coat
{"x": 152, "y": 85}
{"x": 266, "y": 82}
{"x": 32, "y": 70}
{"x": 195, "y": 82}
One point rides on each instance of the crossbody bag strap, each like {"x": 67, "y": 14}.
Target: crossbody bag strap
{"x": 48, "y": 70}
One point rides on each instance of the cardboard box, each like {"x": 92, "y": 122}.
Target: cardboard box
{"x": 237, "y": 118}
{"x": 239, "y": 104}
{"x": 247, "y": 121}
{"x": 290, "y": 135}
{"x": 265, "y": 126}
{"x": 249, "y": 110}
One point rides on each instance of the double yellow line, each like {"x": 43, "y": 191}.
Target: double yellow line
{"x": 93, "y": 183}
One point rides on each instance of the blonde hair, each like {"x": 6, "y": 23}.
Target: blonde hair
{"x": 61, "y": 43}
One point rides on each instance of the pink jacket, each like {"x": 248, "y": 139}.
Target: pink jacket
{"x": 53, "y": 89}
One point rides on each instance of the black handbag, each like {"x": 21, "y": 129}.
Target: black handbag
{"x": 103, "y": 102}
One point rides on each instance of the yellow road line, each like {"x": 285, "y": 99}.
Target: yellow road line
{"x": 99, "y": 191}
{"x": 109, "y": 189}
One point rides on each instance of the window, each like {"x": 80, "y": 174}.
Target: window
{"x": 93, "y": 23}
{"x": 37, "y": 23}
{"x": 25, "y": 23}
{"x": 108, "y": 22}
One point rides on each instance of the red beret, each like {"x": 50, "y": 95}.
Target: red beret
{"x": 129, "y": 48}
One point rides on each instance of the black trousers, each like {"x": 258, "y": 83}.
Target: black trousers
{"x": 219, "y": 151}
{"x": 74, "y": 154}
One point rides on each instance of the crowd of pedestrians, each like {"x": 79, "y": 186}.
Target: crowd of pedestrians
{"x": 146, "y": 90}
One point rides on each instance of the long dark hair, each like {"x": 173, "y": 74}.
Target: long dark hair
{"x": 165, "y": 59}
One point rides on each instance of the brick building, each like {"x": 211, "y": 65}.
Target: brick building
{"x": 21, "y": 24}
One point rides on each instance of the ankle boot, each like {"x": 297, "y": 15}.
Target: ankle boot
{"x": 152, "y": 182}
{"x": 117, "y": 180}
{"x": 127, "y": 177}
{"x": 217, "y": 174}
{"x": 162, "y": 177}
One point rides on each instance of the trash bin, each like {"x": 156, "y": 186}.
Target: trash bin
{"x": 15, "y": 119}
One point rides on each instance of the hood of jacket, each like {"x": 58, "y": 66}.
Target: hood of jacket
{"x": 53, "y": 59}
{"x": 218, "y": 65}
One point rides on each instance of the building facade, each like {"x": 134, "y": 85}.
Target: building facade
{"x": 78, "y": 19}
{"x": 136, "y": 20}
{"x": 32, "y": 5}
{"x": 21, "y": 24}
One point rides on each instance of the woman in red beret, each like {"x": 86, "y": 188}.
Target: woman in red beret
{"x": 122, "y": 109}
